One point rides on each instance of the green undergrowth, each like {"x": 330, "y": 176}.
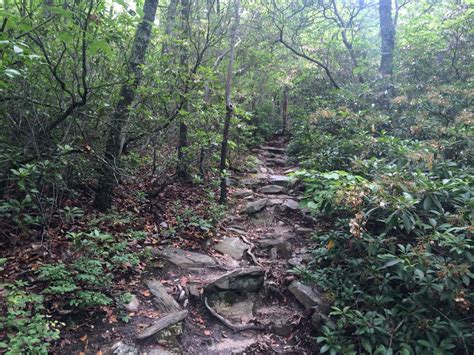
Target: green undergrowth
{"x": 397, "y": 253}
{"x": 82, "y": 281}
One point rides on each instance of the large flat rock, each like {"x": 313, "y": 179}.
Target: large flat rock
{"x": 186, "y": 259}
{"x": 234, "y": 247}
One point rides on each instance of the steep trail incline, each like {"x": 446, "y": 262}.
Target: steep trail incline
{"x": 237, "y": 296}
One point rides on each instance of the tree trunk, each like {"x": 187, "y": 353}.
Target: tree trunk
{"x": 228, "y": 102}
{"x": 387, "y": 34}
{"x": 182, "y": 168}
{"x": 107, "y": 178}
{"x": 284, "y": 110}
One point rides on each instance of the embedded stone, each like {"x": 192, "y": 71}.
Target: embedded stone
{"x": 186, "y": 259}
{"x": 133, "y": 305}
{"x": 255, "y": 206}
{"x": 234, "y": 247}
{"x": 306, "y": 295}
{"x": 273, "y": 189}
{"x": 243, "y": 280}
{"x": 280, "y": 180}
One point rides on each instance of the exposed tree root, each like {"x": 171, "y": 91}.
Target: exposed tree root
{"x": 228, "y": 324}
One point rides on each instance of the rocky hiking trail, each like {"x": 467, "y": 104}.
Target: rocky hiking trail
{"x": 236, "y": 294}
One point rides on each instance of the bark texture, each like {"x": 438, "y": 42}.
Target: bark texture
{"x": 107, "y": 179}
{"x": 387, "y": 34}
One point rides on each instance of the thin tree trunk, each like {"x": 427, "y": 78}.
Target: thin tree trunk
{"x": 284, "y": 110}
{"x": 387, "y": 34}
{"x": 107, "y": 178}
{"x": 228, "y": 102}
{"x": 182, "y": 169}
{"x": 169, "y": 26}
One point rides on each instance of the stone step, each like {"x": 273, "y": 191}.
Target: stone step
{"x": 276, "y": 150}
{"x": 276, "y": 162}
{"x": 273, "y": 189}
{"x": 280, "y": 180}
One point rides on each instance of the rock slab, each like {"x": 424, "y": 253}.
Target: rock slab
{"x": 186, "y": 259}
{"x": 242, "y": 280}
{"x": 234, "y": 247}
{"x": 306, "y": 295}
{"x": 164, "y": 301}
{"x": 273, "y": 189}
{"x": 255, "y": 206}
{"x": 163, "y": 323}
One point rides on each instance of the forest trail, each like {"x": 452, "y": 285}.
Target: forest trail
{"x": 241, "y": 275}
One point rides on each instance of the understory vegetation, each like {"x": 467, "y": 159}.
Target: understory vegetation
{"x": 124, "y": 122}
{"x": 392, "y": 191}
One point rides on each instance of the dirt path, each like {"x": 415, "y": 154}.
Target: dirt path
{"x": 237, "y": 296}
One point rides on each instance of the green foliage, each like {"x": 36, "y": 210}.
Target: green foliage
{"x": 28, "y": 328}
{"x": 397, "y": 260}
{"x": 86, "y": 281}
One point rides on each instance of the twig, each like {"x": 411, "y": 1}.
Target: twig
{"x": 228, "y": 324}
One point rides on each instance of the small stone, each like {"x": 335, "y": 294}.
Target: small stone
{"x": 242, "y": 193}
{"x": 282, "y": 328}
{"x": 288, "y": 205}
{"x": 306, "y": 295}
{"x": 133, "y": 305}
{"x": 318, "y": 319}
{"x": 194, "y": 291}
{"x": 296, "y": 261}
{"x": 256, "y": 206}
{"x": 230, "y": 181}
{"x": 234, "y": 247}
{"x": 274, "y": 202}
{"x": 121, "y": 348}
